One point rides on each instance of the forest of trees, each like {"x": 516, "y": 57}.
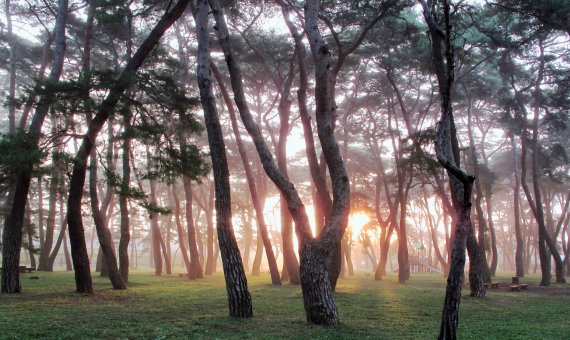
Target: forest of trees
{"x": 376, "y": 136}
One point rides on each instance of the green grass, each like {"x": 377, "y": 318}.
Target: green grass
{"x": 172, "y": 307}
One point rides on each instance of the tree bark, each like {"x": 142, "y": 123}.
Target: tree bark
{"x": 273, "y": 269}
{"x": 448, "y": 155}
{"x": 180, "y": 231}
{"x": 13, "y": 224}
{"x": 316, "y": 254}
{"x": 519, "y": 253}
{"x": 210, "y": 259}
{"x": 125, "y": 80}
{"x": 239, "y": 299}
{"x": 103, "y": 232}
{"x": 195, "y": 266}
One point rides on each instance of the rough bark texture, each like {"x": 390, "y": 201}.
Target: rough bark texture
{"x": 12, "y": 233}
{"x": 75, "y": 223}
{"x": 546, "y": 243}
{"x": 273, "y": 269}
{"x": 315, "y": 254}
{"x": 448, "y": 155}
{"x": 239, "y": 299}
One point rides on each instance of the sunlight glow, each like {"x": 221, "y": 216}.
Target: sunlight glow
{"x": 356, "y": 221}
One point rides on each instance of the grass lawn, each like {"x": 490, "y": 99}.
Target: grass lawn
{"x": 171, "y": 307}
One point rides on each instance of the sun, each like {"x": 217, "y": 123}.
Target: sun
{"x": 356, "y": 221}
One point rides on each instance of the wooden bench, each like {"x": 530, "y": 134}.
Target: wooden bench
{"x": 514, "y": 288}
{"x": 492, "y": 285}
{"x": 524, "y": 286}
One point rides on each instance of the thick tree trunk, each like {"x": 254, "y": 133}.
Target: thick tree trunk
{"x": 12, "y": 233}
{"x": 236, "y": 283}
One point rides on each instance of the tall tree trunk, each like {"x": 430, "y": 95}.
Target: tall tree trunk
{"x": 155, "y": 232}
{"x": 256, "y": 266}
{"x": 479, "y": 261}
{"x": 180, "y": 231}
{"x": 41, "y": 220}
{"x": 210, "y": 259}
{"x": 195, "y": 267}
{"x": 545, "y": 242}
{"x": 12, "y": 71}
{"x": 273, "y": 269}
{"x": 60, "y": 238}
{"x": 236, "y": 283}
{"x": 18, "y": 196}
{"x": 519, "y": 253}
{"x": 54, "y": 186}
{"x": 103, "y": 232}
{"x": 125, "y": 80}
{"x": 316, "y": 254}
{"x": 447, "y": 152}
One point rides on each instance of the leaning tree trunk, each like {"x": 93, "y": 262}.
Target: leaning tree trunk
{"x": 316, "y": 254}
{"x": 125, "y": 80}
{"x": 236, "y": 283}
{"x": 103, "y": 232}
{"x": 273, "y": 269}
{"x": 18, "y": 196}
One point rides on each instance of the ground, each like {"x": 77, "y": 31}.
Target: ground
{"x": 171, "y": 307}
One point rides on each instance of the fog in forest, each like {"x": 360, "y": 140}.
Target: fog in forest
{"x": 307, "y": 141}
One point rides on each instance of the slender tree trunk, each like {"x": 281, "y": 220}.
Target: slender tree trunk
{"x": 236, "y": 283}
{"x": 77, "y": 238}
{"x": 256, "y": 266}
{"x": 103, "y": 232}
{"x": 155, "y": 230}
{"x": 123, "y": 200}
{"x": 448, "y": 155}
{"x": 54, "y": 186}
{"x": 316, "y": 254}
{"x": 195, "y": 266}
{"x": 180, "y": 230}
{"x": 18, "y": 196}
{"x": 519, "y": 253}
{"x": 12, "y": 71}
{"x": 210, "y": 259}
{"x": 273, "y": 269}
